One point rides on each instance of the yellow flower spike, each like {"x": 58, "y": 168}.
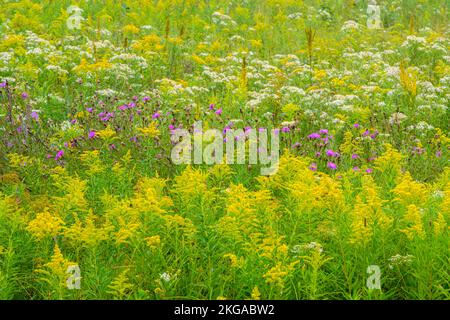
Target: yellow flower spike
{"x": 256, "y": 295}
{"x": 409, "y": 191}
{"x": 107, "y": 133}
{"x": 439, "y": 225}
{"x": 121, "y": 287}
{"x": 413, "y": 219}
{"x": 151, "y": 131}
{"x": 45, "y": 225}
{"x": 130, "y": 29}
{"x": 153, "y": 241}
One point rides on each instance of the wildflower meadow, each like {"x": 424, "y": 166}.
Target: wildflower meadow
{"x": 224, "y": 150}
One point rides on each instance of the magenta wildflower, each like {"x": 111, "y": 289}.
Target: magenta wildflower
{"x": 156, "y": 115}
{"x": 277, "y": 131}
{"x": 171, "y": 127}
{"x": 218, "y": 111}
{"x": 313, "y": 167}
{"x": 89, "y": 110}
{"x": 146, "y": 98}
{"x": 91, "y": 134}
{"x": 314, "y": 135}
{"x": 24, "y": 95}
{"x": 374, "y": 135}
{"x": 356, "y": 125}
{"x": 331, "y": 153}
{"x": 369, "y": 170}
{"x": 355, "y": 156}
{"x": 355, "y": 168}
{"x": 323, "y": 131}
{"x": 35, "y": 115}
{"x": 332, "y": 165}
{"x": 211, "y": 106}
{"x": 59, "y": 155}
{"x": 285, "y": 129}
{"x": 2, "y": 84}
{"x": 438, "y": 154}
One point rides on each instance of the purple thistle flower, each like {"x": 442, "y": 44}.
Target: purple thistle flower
{"x": 218, "y": 111}
{"x": 331, "y": 153}
{"x": 59, "y": 155}
{"x": 24, "y": 95}
{"x": 332, "y": 165}
{"x": 438, "y": 154}
{"x": 314, "y": 135}
{"x": 91, "y": 134}
{"x": 355, "y": 156}
{"x": 369, "y": 170}
{"x": 211, "y": 106}
{"x": 313, "y": 167}
{"x": 35, "y": 115}
{"x": 356, "y": 125}
{"x": 285, "y": 129}
{"x": 323, "y": 131}
{"x": 2, "y": 84}
{"x": 156, "y": 115}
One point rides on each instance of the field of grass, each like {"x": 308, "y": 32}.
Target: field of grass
{"x": 92, "y": 205}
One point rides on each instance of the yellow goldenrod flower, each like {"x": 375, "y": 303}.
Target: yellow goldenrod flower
{"x": 413, "y": 220}
{"x": 45, "y": 224}
{"x": 151, "y": 131}
{"x": 153, "y": 242}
